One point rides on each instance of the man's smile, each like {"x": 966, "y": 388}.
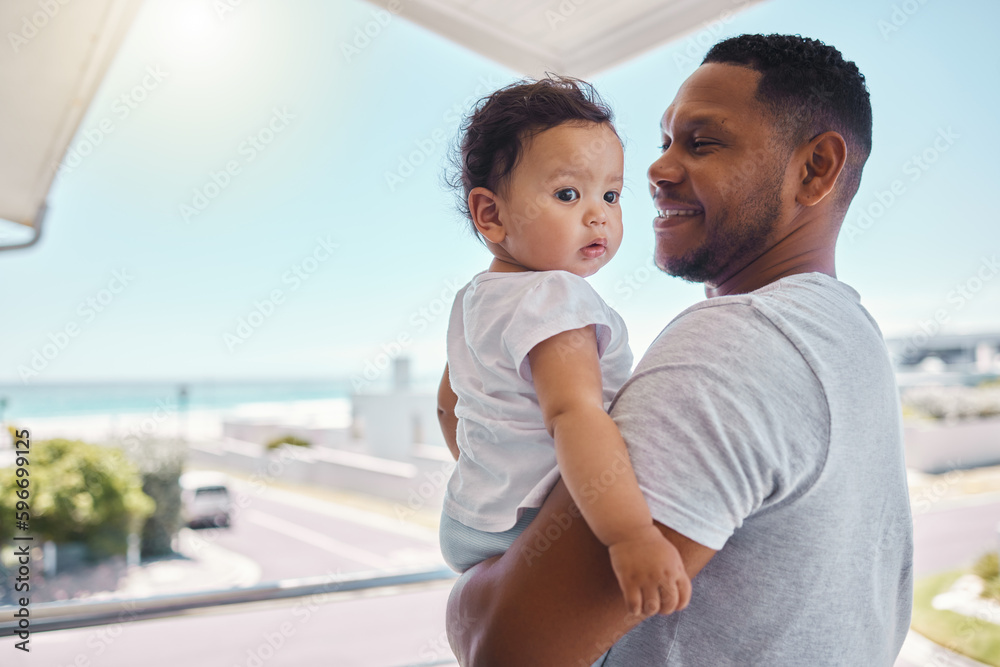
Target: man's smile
{"x": 669, "y": 215}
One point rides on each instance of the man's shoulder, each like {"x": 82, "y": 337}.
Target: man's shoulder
{"x": 778, "y": 315}
{"x": 713, "y": 330}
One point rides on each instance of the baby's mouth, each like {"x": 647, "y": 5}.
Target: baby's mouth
{"x": 595, "y": 249}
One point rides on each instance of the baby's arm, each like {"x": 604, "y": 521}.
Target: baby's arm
{"x": 595, "y": 465}
{"x": 446, "y": 413}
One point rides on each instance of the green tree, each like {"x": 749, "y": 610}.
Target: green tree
{"x": 288, "y": 440}
{"x": 78, "y": 492}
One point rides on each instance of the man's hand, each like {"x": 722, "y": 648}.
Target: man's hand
{"x": 650, "y": 574}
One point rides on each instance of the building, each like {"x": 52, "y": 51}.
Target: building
{"x": 956, "y": 359}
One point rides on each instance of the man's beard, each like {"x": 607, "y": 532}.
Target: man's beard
{"x": 734, "y": 240}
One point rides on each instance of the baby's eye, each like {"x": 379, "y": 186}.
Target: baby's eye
{"x": 611, "y": 197}
{"x": 567, "y": 194}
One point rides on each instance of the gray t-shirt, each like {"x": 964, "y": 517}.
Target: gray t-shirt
{"x": 767, "y": 426}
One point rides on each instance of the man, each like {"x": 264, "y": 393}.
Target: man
{"x": 763, "y": 423}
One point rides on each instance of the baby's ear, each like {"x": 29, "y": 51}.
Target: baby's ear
{"x": 486, "y": 214}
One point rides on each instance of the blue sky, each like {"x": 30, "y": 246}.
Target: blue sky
{"x": 325, "y": 228}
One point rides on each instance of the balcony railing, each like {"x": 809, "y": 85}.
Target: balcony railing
{"x": 81, "y": 614}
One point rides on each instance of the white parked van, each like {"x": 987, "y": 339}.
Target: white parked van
{"x": 205, "y": 499}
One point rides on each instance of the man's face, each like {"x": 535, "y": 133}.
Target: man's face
{"x": 717, "y": 186}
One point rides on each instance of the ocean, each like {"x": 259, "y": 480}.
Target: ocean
{"x": 114, "y": 398}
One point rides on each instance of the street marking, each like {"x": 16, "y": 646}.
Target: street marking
{"x": 352, "y": 514}
{"x": 318, "y": 539}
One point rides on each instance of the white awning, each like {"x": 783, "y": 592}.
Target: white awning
{"x": 575, "y": 37}
{"x": 58, "y": 51}
{"x": 54, "y": 56}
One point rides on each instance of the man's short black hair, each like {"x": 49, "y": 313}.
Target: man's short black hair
{"x": 808, "y": 88}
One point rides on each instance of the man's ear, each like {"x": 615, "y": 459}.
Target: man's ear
{"x": 825, "y": 157}
{"x": 486, "y": 214}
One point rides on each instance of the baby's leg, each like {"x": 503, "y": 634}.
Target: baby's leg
{"x": 463, "y": 547}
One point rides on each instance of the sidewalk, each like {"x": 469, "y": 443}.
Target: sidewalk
{"x": 955, "y": 488}
{"x": 918, "y": 651}
{"x": 198, "y": 565}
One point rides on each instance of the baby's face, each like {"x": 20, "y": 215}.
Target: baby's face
{"x": 560, "y": 209}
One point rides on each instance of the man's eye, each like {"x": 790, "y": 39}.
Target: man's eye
{"x": 611, "y": 197}
{"x": 701, "y": 143}
{"x": 567, "y": 194}
{"x": 664, "y": 147}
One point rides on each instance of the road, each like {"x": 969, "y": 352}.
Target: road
{"x": 945, "y": 538}
{"x": 290, "y": 535}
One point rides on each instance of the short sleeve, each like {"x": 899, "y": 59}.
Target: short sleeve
{"x": 560, "y": 301}
{"x": 723, "y": 418}
{"x": 456, "y": 329}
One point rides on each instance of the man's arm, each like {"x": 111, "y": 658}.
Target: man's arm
{"x": 551, "y": 599}
{"x": 446, "y": 413}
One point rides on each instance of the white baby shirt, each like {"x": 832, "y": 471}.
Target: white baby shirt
{"x": 507, "y": 458}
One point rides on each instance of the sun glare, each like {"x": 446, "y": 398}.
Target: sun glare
{"x": 194, "y": 21}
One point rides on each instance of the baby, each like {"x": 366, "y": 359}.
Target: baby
{"x": 534, "y": 354}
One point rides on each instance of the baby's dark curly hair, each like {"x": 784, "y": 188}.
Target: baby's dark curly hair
{"x": 493, "y": 135}
{"x": 808, "y": 88}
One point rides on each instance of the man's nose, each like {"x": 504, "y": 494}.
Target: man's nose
{"x": 665, "y": 170}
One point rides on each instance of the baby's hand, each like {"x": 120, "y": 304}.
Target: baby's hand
{"x": 650, "y": 573}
